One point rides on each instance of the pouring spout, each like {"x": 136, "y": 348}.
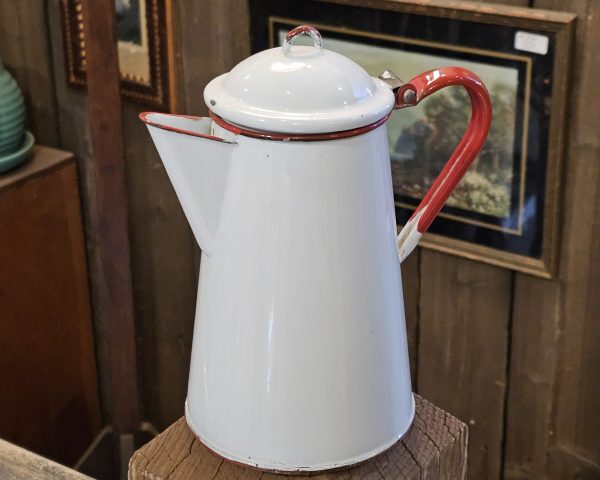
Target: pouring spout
{"x": 197, "y": 164}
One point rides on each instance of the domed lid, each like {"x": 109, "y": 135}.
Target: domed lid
{"x": 299, "y": 89}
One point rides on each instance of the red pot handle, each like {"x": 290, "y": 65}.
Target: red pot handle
{"x": 409, "y": 95}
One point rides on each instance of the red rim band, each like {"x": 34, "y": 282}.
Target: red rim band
{"x": 291, "y": 137}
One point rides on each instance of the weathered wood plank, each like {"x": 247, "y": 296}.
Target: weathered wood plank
{"x": 434, "y": 449}
{"x": 568, "y": 464}
{"x": 536, "y": 323}
{"x": 464, "y": 321}
{"x": 570, "y": 307}
{"x": 577, "y": 395}
{"x": 115, "y": 303}
{"x": 73, "y": 125}
{"x": 225, "y": 42}
{"x": 19, "y": 464}
{"x": 533, "y": 363}
{"x": 578, "y": 389}
{"x": 24, "y": 48}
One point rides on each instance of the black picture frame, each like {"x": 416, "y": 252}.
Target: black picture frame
{"x": 506, "y": 211}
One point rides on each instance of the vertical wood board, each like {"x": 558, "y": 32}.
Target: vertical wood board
{"x": 115, "y": 302}
{"x": 577, "y": 394}
{"x": 72, "y": 123}
{"x": 464, "y": 328}
{"x": 225, "y": 41}
{"x": 533, "y": 363}
{"x": 536, "y": 323}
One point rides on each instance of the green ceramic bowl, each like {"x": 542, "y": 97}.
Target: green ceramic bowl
{"x": 17, "y": 157}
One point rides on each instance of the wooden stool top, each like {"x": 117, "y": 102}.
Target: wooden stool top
{"x": 434, "y": 448}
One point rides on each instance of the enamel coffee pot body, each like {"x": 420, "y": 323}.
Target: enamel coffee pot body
{"x": 299, "y": 358}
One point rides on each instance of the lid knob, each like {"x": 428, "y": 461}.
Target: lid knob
{"x": 301, "y": 30}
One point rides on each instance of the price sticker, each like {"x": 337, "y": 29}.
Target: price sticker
{"x": 532, "y": 42}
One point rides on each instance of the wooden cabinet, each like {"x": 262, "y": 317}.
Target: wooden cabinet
{"x": 49, "y": 400}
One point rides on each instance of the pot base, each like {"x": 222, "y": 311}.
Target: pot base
{"x": 274, "y": 467}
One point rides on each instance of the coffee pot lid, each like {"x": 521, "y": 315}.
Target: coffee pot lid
{"x": 299, "y": 89}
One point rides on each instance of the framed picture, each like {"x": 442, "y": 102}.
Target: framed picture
{"x": 505, "y": 211}
{"x": 144, "y": 45}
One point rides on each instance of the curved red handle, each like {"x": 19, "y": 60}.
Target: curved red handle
{"x": 410, "y": 95}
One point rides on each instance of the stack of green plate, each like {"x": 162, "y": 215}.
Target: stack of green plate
{"x": 15, "y": 142}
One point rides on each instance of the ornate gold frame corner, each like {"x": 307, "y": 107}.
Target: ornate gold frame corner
{"x": 159, "y": 93}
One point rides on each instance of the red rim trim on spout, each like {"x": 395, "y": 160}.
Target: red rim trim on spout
{"x": 144, "y": 118}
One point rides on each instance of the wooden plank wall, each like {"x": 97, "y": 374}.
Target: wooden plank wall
{"x": 516, "y": 357}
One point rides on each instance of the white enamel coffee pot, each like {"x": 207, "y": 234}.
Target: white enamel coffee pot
{"x": 299, "y": 359}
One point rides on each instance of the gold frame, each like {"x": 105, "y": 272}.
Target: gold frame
{"x": 562, "y": 25}
{"x": 158, "y": 93}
